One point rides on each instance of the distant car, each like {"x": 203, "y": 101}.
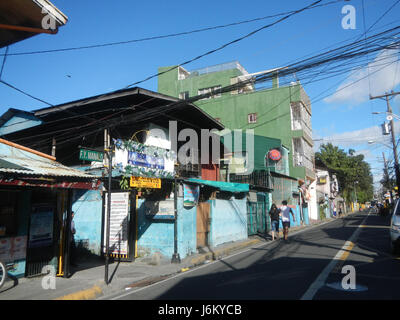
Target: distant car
{"x": 395, "y": 229}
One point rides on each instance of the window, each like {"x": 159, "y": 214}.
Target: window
{"x": 184, "y": 95}
{"x": 252, "y": 118}
{"x": 212, "y": 90}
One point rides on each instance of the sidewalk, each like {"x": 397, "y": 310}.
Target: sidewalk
{"x": 87, "y": 281}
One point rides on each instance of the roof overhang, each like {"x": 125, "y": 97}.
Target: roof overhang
{"x": 22, "y": 19}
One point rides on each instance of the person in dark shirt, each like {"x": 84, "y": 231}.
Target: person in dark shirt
{"x": 274, "y": 213}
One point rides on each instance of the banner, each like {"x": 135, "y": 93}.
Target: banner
{"x": 190, "y": 195}
{"x": 119, "y": 215}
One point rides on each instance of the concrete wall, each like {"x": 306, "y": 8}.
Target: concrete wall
{"x": 87, "y": 205}
{"x": 158, "y": 235}
{"x": 228, "y": 221}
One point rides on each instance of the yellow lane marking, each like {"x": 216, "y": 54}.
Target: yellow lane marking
{"x": 367, "y": 226}
{"x": 82, "y": 295}
{"x": 346, "y": 250}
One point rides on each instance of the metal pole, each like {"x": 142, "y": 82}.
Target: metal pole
{"x": 109, "y": 154}
{"x": 175, "y": 257}
{"x": 387, "y": 176}
{"x": 396, "y": 158}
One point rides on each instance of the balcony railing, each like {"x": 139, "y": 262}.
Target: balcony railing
{"x": 257, "y": 179}
{"x": 188, "y": 170}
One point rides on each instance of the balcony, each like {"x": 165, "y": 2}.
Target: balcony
{"x": 261, "y": 179}
{"x": 303, "y": 160}
{"x": 188, "y": 170}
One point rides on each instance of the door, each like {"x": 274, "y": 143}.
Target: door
{"x": 203, "y": 224}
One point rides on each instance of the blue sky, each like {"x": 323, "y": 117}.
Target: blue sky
{"x": 343, "y": 118}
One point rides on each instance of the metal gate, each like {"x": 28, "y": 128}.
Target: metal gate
{"x": 257, "y": 216}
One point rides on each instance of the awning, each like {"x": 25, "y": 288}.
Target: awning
{"x": 223, "y": 186}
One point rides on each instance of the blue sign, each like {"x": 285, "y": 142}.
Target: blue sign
{"x": 145, "y": 160}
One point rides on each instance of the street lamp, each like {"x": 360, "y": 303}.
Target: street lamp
{"x": 389, "y": 116}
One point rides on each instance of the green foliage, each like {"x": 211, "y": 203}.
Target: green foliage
{"x": 353, "y": 173}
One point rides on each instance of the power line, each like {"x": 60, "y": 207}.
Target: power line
{"x": 183, "y": 33}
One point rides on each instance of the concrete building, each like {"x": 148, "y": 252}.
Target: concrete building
{"x": 281, "y": 112}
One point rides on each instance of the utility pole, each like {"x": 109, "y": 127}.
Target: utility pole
{"x": 396, "y": 158}
{"x": 387, "y": 176}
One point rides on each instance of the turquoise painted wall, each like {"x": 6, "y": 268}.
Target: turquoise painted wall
{"x": 228, "y": 221}
{"x": 87, "y": 205}
{"x": 158, "y": 235}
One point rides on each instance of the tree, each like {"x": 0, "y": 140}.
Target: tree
{"x": 352, "y": 172}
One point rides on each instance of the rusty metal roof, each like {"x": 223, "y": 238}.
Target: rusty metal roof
{"x": 16, "y": 161}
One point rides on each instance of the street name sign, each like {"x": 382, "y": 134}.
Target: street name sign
{"x": 91, "y": 155}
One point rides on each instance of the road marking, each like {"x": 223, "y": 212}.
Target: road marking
{"x": 366, "y": 226}
{"x": 310, "y": 227}
{"x": 342, "y": 255}
{"x": 87, "y": 294}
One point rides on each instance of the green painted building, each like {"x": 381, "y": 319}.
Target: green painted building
{"x": 280, "y": 112}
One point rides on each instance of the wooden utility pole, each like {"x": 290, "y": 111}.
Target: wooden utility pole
{"x": 396, "y": 158}
{"x": 387, "y": 176}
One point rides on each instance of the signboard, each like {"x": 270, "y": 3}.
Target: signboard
{"x": 190, "y": 195}
{"x": 41, "y": 227}
{"x": 91, "y": 155}
{"x": 141, "y": 182}
{"x": 274, "y": 155}
{"x": 321, "y": 180}
{"x": 145, "y": 160}
{"x": 119, "y": 216}
{"x": 13, "y": 249}
{"x": 160, "y": 209}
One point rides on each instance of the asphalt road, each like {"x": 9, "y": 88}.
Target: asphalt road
{"x": 308, "y": 267}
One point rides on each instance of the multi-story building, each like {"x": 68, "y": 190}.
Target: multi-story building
{"x": 281, "y": 112}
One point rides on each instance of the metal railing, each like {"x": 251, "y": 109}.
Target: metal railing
{"x": 257, "y": 178}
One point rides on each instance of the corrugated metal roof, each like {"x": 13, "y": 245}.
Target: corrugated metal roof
{"x": 14, "y": 160}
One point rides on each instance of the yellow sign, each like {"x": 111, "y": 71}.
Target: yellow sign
{"x": 141, "y": 182}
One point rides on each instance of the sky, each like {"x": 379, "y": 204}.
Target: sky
{"x": 341, "y": 108}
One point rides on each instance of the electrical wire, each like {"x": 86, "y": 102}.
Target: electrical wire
{"x": 183, "y": 33}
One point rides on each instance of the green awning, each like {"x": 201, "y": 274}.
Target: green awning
{"x": 223, "y": 186}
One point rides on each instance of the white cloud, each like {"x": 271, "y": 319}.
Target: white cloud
{"x": 384, "y": 75}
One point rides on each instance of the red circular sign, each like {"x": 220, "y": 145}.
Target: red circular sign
{"x": 274, "y": 155}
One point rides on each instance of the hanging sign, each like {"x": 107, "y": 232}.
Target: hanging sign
{"x": 145, "y": 160}
{"x": 274, "y": 155}
{"x": 190, "y": 195}
{"x": 141, "y": 182}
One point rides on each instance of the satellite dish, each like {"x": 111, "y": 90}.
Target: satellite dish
{"x": 389, "y": 117}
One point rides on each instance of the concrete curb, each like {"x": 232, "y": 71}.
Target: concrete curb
{"x": 96, "y": 291}
{"x": 87, "y": 294}
{"x": 218, "y": 253}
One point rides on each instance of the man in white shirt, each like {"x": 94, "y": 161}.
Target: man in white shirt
{"x": 285, "y": 216}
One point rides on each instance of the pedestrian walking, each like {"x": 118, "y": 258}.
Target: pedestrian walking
{"x": 285, "y": 214}
{"x": 274, "y": 214}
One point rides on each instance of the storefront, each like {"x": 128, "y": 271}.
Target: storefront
{"x": 35, "y": 209}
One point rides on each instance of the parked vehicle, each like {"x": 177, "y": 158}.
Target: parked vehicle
{"x": 395, "y": 228}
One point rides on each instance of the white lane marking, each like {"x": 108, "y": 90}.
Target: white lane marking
{"x": 321, "y": 279}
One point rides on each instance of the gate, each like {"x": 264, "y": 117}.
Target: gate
{"x": 257, "y": 215}
{"x": 203, "y": 224}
